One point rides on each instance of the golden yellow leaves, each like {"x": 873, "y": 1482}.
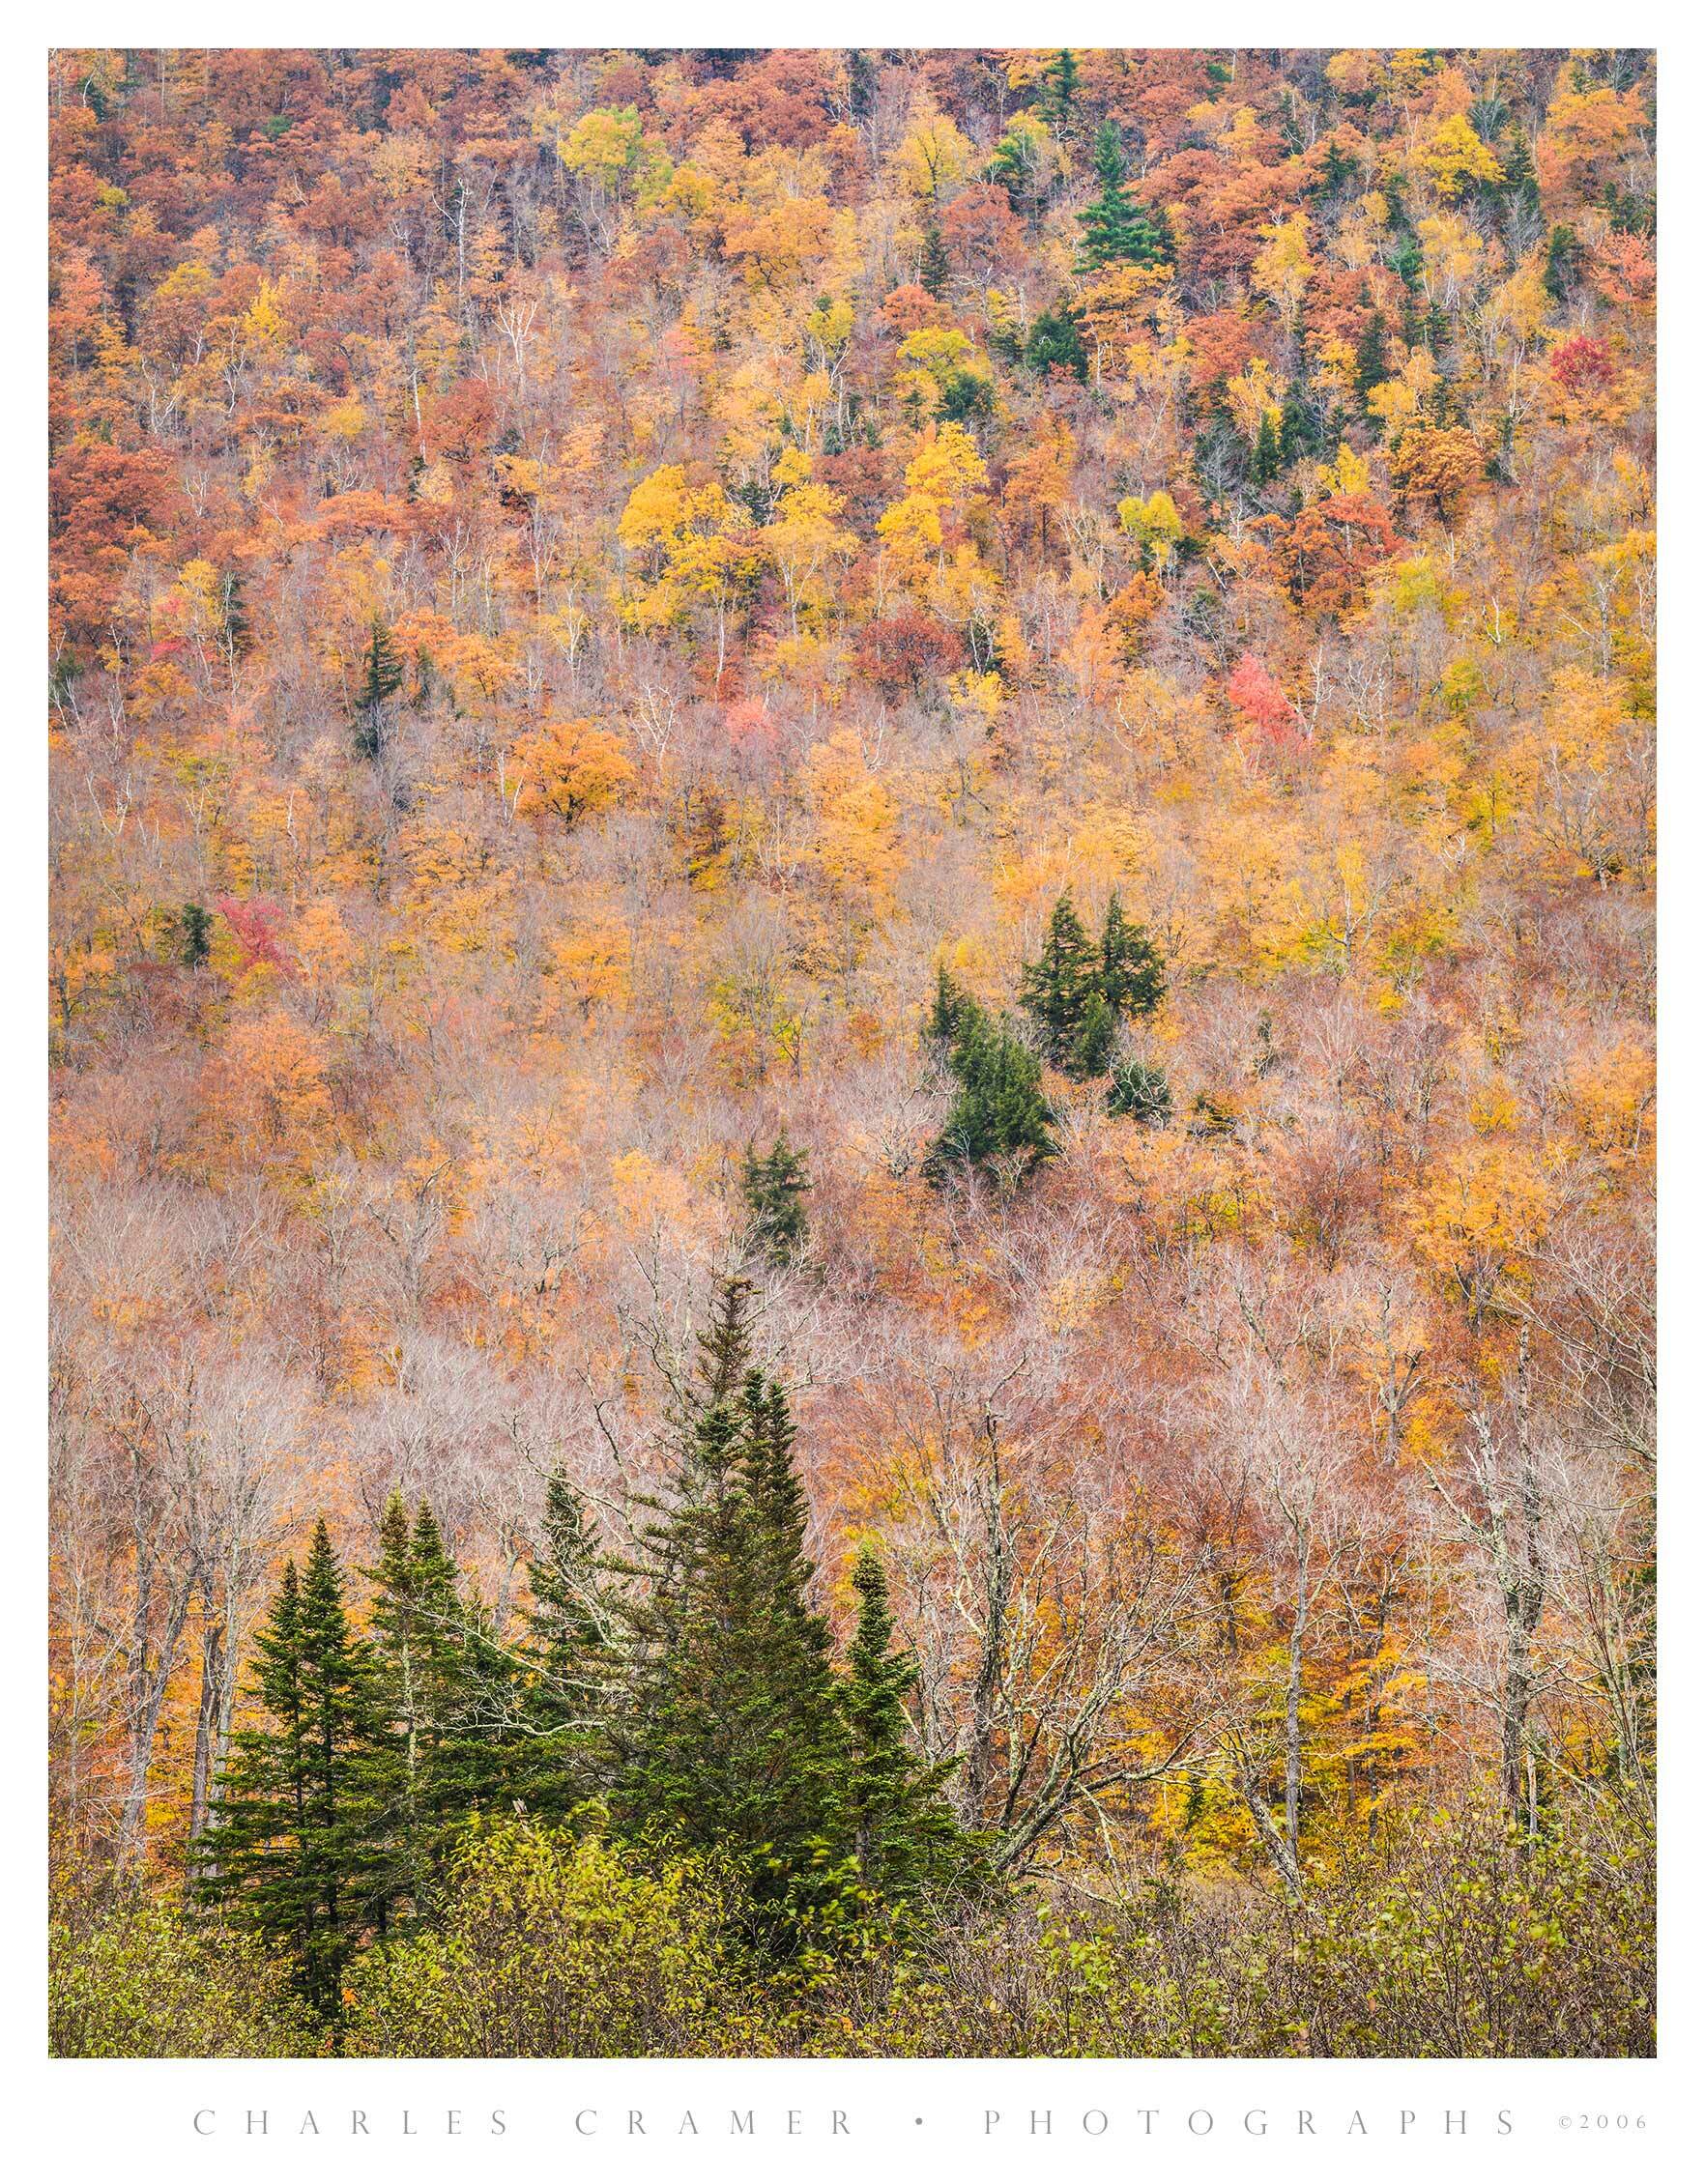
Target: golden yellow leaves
{"x": 1282, "y": 265}
{"x": 941, "y": 356}
{"x": 934, "y": 154}
{"x": 976, "y": 697}
{"x": 1454, "y": 157}
{"x": 1348, "y": 473}
{"x": 946, "y": 467}
{"x": 1154, "y": 523}
{"x": 944, "y": 472}
{"x": 648, "y": 1195}
{"x": 1398, "y": 402}
{"x": 796, "y": 239}
{"x": 1451, "y": 254}
{"x": 1441, "y": 465}
{"x": 1612, "y": 1093}
{"x": 805, "y": 537}
{"x": 858, "y": 830}
{"x": 1255, "y": 395}
{"x": 263, "y": 325}
{"x": 1477, "y": 1220}
{"x": 590, "y": 965}
{"x": 265, "y": 1095}
{"x": 609, "y": 147}
{"x": 455, "y": 888}
{"x": 570, "y": 771}
{"x": 1584, "y": 129}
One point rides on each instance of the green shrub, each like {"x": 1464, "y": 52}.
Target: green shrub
{"x": 552, "y": 1946}
{"x": 138, "y": 1978}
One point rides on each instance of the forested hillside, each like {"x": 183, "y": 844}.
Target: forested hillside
{"x": 851, "y": 1037}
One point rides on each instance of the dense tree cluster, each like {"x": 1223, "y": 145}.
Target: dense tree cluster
{"x": 690, "y": 1691}
{"x": 1020, "y": 680}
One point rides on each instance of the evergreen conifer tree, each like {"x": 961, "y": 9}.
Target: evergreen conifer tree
{"x": 1075, "y": 991}
{"x": 1369, "y": 364}
{"x": 773, "y": 1184}
{"x": 196, "y": 932}
{"x": 1114, "y": 229}
{"x": 1565, "y": 264}
{"x": 947, "y": 1011}
{"x": 1000, "y": 1114}
{"x": 1520, "y": 184}
{"x": 432, "y": 1762}
{"x": 905, "y": 1836}
{"x": 382, "y": 678}
{"x": 1055, "y": 991}
{"x": 1132, "y": 977}
{"x": 932, "y": 270}
{"x": 571, "y": 1655}
{"x": 1053, "y": 339}
{"x": 1268, "y": 459}
{"x": 293, "y": 1826}
{"x": 1061, "y": 93}
{"x": 1092, "y": 1051}
{"x": 733, "y": 1739}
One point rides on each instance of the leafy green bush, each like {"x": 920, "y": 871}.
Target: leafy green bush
{"x": 1456, "y": 1941}
{"x": 553, "y": 1945}
{"x": 132, "y": 1977}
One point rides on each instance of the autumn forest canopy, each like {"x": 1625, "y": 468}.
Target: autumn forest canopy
{"x": 851, "y": 1017}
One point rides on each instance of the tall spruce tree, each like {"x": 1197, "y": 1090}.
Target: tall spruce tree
{"x": 1000, "y": 1115}
{"x": 1117, "y": 231}
{"x": 1055, "y": 992}
{"x": 1077, "y": 990}
{"x": 933, "y": 269}
{"x": 1369, "y": 368}
{"x": 1060, "y": 90}
{"x": 382, "y": 678}
{"x": 571, "y": 1656}
{"x": 948, "y": 1009}
{"x": 773, "y": 1184}
{"x": 433, "y": 1760}
{"x": 292, "y": 1845}
{"x": 1132, "y": 978}
{"x": 905, "y": 1836}
{"x": 732, "y": 1736}
{"x": 195, "y": 936}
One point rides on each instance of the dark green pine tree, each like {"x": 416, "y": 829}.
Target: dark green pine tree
{"x": 1565, "y": 264}
{"x": 1369, "y": 365}
{"x": 1299, "y": 432}
{"x": 1000, "y": 1116}
{"x": 1055, "y": 991}
{"x": 1520, "y": 184}
{"x": 933, "y": 269}
{"x": 773, "y": 1186}
{"x": 1336, "y": 170}
{"x": 1092, "y": 1051}
{"x": 292, "y": 1845}
{"x": 572, "y": 1664}
{"x": 196, "y": 933}
{"x": 436, "y": 1759}
{"x": 1053, "y": 339}
{"x": 905, "y": 1836}
{"x": 732, "y": 1738}
{"x": 1061, "y": 96}
{"x": 1268, "y": 457}
{"x": 382, "y": 678}
{"x": 947, "y": 1011}
{"x": 1115, "y": 230}
{"x": 1132, "y": 978}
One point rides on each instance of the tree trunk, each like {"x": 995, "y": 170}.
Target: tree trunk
{"x": 1293, "y": 1702}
